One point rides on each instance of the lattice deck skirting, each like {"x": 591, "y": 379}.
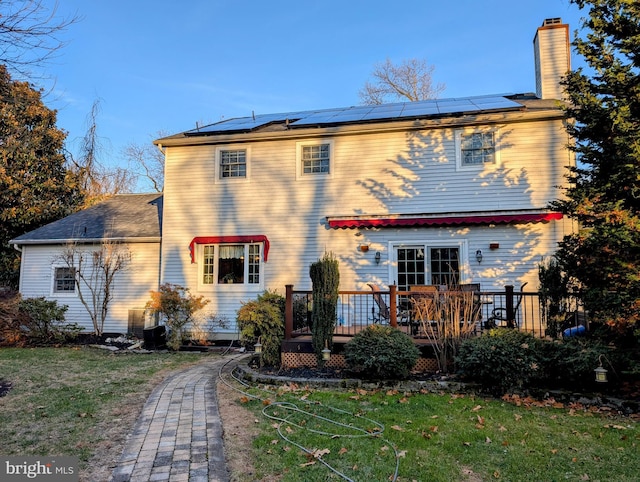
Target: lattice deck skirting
{"x": 298, "y": 360}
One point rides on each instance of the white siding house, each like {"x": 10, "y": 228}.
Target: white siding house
{"x": 131, "y": 220}
{"x": 430, "y": 192}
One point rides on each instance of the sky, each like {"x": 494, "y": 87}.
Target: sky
{"x": 162, "y": 66}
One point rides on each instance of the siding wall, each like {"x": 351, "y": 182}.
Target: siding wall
{"x": 131, "y": 291}
{"x": 396, "y": 172}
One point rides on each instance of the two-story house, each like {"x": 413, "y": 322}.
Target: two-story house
{"x": 433, "y": 192}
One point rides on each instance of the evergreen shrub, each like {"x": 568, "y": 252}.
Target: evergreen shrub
{"x": 263, "y": 319}
{"x": 381, "y": 352}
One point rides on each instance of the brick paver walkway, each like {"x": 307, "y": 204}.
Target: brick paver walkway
{"x": 178, "y": 435}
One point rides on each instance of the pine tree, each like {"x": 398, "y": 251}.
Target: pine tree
{"x": 35, "y": 186}
{"x": 603, "y": 257}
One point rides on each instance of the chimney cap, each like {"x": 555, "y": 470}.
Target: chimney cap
{"x": 552, "y": 21}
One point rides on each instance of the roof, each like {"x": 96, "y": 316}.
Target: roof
{"x": 365, "y": 115}
{"x": 122, "y": 217}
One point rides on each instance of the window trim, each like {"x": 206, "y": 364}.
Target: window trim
{"x": 316, "y": 175}
{"x": 461, "y": 244}
{"x": 62, "y": 294}
{"x": 245, "y": 286}
{"x": 218, "y": 159}
{"x": 458, "y": 135}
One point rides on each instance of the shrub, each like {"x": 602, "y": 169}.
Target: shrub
{"x": 500, "y": 360}
{"x": 11, "y": 333}
{"x": 381, "y": 352}
{"x": 177, "y": 305}
{"x": 44, "y": 321}
{"x": 263, "y": 319}
{"x": 325, "y": 277}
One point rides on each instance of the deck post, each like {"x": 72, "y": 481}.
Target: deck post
{"x": 393, "y": 305}
{"x": 288, "y": 312}
{"x": 509, "y": 306}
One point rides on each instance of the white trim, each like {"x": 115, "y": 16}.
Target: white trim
{"x": 232, "y": 147}
{"x": 228, "y": 287}
{"x": 458, "y": 133}
{"x": 52, "y": 284}
{"x": 315, "y": 176}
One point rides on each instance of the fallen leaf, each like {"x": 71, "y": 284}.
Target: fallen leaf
{"x": 585, "y": 477}
{"x": 433, "y": 428}
{"x": 467, "y": 444}
{"x": 476, "y": 408}
{"x": 244, "y": 400}
{"x": 403, "y": 400}
{"x": 517, "y": 416}
{"x": 398, "y": 428}
{"x": 274, "y": 442}
{"x": 319, "y": 453}
{"x": 342, "y": 451}
{"x": 402, "y": 453}
{"x": 487, "y": 440}
{"x": 307, "y": 464}
{"x": 502, "y": 428}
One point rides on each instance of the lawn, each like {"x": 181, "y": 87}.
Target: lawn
{"x": 77, "y": 401}
{"x": 389, "y": 435}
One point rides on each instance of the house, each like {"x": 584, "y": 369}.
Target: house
{"x": 433, "y": 192}
{"x": 131, "y": 220}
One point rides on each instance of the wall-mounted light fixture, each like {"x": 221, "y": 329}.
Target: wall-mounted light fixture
{"x": 377, "y": 257}
{"x": 479, "y": 256}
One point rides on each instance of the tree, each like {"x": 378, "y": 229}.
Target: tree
{"x": 29, "y": 33}
{"x": 95, "y": 270}
{"x": 97, "y": 181}
{"x": 411, "y": 80}
{"x": 325, "y": 278}
{"x": 148, "y": 161}
{"x": 35, "y": 186}
{"x": 603, "y": 257}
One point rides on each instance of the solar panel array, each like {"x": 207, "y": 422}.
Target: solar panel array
{"x": 368, "y": 113}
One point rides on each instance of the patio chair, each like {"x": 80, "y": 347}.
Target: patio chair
{"x": 383, "y": 314}
{"x": 499, "y": 315}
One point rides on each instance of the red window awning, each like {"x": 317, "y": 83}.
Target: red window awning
{"x": 440, "y": 220}
{"x": 258, "y": 238}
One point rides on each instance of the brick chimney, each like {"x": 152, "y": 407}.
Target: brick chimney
{"x": 552, "y": 57}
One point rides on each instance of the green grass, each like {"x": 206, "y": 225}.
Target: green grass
{"x": 63, "y": 401}
{"x": 441, "y": 437}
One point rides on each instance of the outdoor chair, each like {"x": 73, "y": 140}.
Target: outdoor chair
{"x": 499, "y": 315}
{"x": 383, "y": 314}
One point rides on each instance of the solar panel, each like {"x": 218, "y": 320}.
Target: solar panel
{"x": 353, "y": 114}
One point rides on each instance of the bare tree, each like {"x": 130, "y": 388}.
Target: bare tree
{"x": 411, "y": 80}
{"x": 29, "y": 33}
{"x": 97, "y": 181}
{"x": 148, "y": 162}
{"x": 95, "y": 271}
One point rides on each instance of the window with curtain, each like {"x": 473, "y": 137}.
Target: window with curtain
{"x": 231, "y": 264}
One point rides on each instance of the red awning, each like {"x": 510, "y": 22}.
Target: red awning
{"x": 434, "y": 220}
{"x": 258, "y": 238}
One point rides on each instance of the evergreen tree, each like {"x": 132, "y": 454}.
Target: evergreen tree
{"x": 603, "y": 257}
{"x": 35, "y": 186}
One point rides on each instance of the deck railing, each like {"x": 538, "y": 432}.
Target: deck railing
{"x": 512, "y": 308}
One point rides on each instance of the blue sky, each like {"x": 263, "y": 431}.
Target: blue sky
{"x": 164, "y": 65}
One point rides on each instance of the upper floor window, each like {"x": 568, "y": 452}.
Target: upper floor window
{"x": 231, "y": 264}
{"x": 64, "y": 280}
{"x": 232, "y": 163}
{"x": 314, "y": 158}
{"x": 476, "y": 148}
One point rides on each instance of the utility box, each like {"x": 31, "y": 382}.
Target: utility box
{"x": 155, "y": 337}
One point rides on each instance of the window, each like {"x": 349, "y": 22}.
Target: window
{"x": 233, "y": 163}
{"x": 314, "y": 159}
{"x": 476, "y": 149}
{"x": 64, "y": 280}
{"x": 426, "y": 264}
{"x": 231, "y": 264}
